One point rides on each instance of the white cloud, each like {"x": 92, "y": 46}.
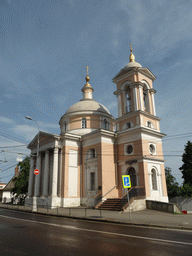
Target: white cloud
{"x": 162, "y": 24}
{"x": 5, "y": 120}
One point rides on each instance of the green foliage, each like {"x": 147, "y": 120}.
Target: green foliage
{"x": 21, "y": 182}
{"x": 173, "y": 188}
{"x": 186, "y": 190}
{"x": 186, "y": 168}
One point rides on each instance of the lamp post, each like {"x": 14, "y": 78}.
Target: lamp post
{"x": 34, "y": 198}
{"x": 29, "y": 118}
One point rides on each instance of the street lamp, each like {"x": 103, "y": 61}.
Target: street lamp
{"x": 29, "y": 118}
{"x": 34, "y": 198}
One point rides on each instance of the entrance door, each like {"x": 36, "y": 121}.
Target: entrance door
{"x": 132, "y": 173}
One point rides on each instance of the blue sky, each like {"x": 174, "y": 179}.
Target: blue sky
{"x": 46, "y": 45}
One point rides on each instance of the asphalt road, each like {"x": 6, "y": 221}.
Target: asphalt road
{"x": 24, "y": 233}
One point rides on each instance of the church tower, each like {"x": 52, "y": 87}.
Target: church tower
{"x": 139, "y": 144}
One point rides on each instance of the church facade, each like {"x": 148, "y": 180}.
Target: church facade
{"x": 85, "y": 163}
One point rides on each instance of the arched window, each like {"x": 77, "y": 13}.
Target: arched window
{"x": 154, "y": 179}
{"x": 105, "y": 123}
{"x": 149, "y": 124}
{"x": 145, "y": 98}
{"x": 128, "y": 125}
{"x": 84, "y": 123}
{"x": 132, "y": 173}
{"x": 65, "y": 126}
{"x": 128, "y": 97}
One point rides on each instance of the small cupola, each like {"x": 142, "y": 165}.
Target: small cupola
{"x": 87, "y": 89}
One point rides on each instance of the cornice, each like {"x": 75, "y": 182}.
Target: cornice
{"x": 135, "y": 113}
{"x": 140, "y": 130}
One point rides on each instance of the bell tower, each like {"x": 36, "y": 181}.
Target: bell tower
{"x": 139, "y": 144}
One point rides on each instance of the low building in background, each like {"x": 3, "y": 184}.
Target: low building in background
{"x": 5, "y": 194}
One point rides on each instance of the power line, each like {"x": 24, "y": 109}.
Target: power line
{"x": 14, "y": 146}
{"x": 11, "y": 138}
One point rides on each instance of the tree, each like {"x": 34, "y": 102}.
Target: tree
{"x": 186, "y": 168}
{"x": 173, "y": 188}
{"x": 21, "y": 182}
{"x": 186, "y": 190}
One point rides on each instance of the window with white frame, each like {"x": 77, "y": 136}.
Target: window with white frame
{"x": 65, "y": 126}
{"x": 105, "y": 124}
{"x": 84, "y": 123}
{"x": 154, "y": 179}
{"x": 129, "y": 149}
{"x": 152, "y": 149}
{"x": 149, "y": 124}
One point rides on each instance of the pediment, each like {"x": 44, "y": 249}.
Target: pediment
{"x": 44, "y": 137}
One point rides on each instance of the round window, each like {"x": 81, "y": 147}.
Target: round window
{"x": 129, "y": 149}
{"x": 152, "y": 148}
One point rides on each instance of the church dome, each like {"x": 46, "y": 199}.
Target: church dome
{"x": 85, "y": 105}
{"x": 133, "y": 65}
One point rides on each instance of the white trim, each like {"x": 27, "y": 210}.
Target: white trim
{"x": 71, "y": 143}
{"x": 70, "y": 202}
{"x": 81, "y": 131}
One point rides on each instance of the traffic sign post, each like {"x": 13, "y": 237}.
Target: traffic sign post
{"x": 127, "y": 184}
{"x": 36, "y": 171}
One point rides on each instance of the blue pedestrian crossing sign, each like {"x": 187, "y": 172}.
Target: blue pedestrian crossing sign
{"x": 126, "y": 181}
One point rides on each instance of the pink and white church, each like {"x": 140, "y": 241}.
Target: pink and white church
{"x": 85, "y": 163}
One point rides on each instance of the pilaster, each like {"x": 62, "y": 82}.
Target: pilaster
{"x": 55, "y": 172}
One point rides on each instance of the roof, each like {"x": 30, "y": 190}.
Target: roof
{"x": 10, "y": 184}
{"x": 87, "y": 105}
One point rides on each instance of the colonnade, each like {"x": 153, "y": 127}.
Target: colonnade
{"x": 47, "y": 182}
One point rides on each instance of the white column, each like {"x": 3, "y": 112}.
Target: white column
{"x": 135, "y": 98}
{"x": 153, "y": 103}
{"x": 55, "y": 172}
{"x": 30, "y": 186}
{"x": 46, "y": 174}
{"x": 37, "y": 178}
{"x": 119, "y": 105}
{"x": 141, "y": 97}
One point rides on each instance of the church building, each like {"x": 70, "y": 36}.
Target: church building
{"x": 85, "y": 163}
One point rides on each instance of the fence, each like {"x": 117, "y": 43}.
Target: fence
{"x": 79, "y": 212}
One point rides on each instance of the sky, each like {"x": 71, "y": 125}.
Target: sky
{"x": 45, "y": 46}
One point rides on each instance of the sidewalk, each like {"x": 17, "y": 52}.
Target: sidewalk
{"x": 145, "y": 217}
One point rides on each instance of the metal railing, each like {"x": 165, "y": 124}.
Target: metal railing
{"x": 134, "y": 192}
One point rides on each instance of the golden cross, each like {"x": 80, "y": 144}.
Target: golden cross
{"x": 131, "y": 49}
{"x": 87, "y": 70}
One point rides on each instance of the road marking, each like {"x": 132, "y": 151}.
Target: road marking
{"x": 97, "y": 231}
{"x": 107, "y": 223}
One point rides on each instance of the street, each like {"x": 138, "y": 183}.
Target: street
{"x": 24, "y": 233}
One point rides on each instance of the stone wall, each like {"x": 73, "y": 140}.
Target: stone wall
{"x": 161, "y": 206}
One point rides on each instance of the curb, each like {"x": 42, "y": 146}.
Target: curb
{"x": 109, "y": 221}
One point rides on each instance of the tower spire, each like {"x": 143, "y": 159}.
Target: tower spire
{"x": 87, "y": 89}
{"x": 131, "y": 56}
{"x": 87, "y": 77}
